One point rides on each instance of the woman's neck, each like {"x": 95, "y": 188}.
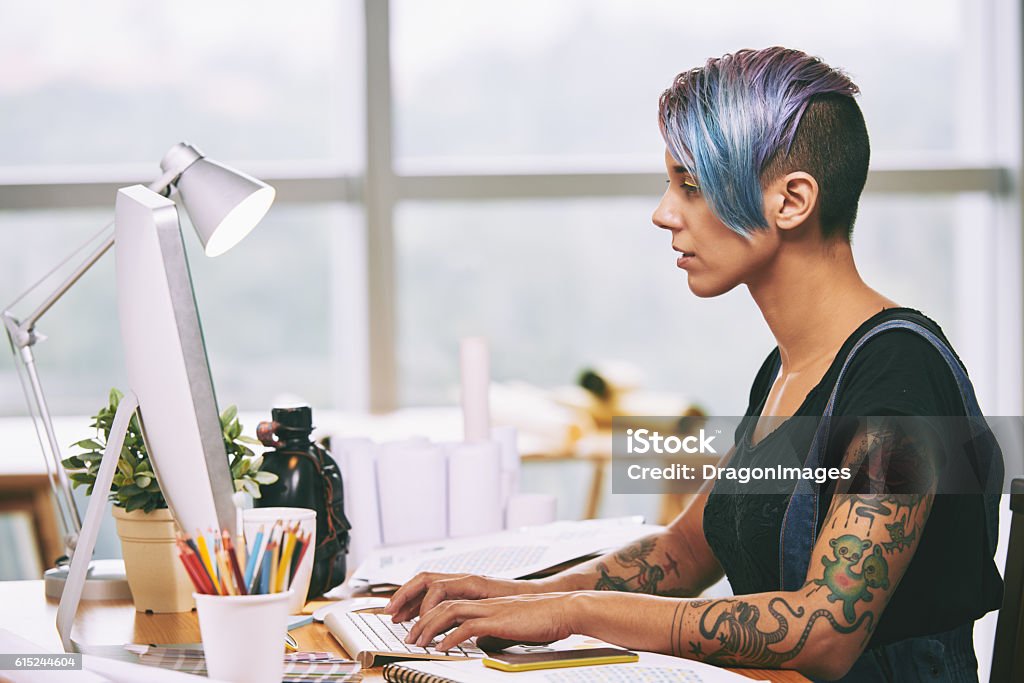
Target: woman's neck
{"x": 812, "y": 305}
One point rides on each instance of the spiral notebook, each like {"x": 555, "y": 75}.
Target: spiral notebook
{"x": 651, "y": 668}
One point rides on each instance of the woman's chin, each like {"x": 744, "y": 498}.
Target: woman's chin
{"x": 707, "y": 289}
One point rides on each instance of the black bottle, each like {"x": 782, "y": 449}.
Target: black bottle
{"x": 307, "y": 477}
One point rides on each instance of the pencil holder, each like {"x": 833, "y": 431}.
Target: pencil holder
{"x": 243, "y": 636}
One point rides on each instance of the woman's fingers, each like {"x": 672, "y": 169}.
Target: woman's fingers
{"x": 445, "y": 616}
{"x": 460, "y": 588}
{"x": 405, "y": 602}
{"x": 465, "y": 631}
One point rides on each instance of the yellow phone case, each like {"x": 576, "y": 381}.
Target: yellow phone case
{"x": 582, "y": 660}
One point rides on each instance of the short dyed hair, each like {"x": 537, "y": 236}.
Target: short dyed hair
{"x": 748, "y": 118}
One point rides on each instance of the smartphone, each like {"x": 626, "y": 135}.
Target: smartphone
{"x": 532, "y": 661}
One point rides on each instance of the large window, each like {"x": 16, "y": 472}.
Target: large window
{"x": 475, "y": 81}
{"x": 454, "y": 167}
{"x": 557, "y": 284}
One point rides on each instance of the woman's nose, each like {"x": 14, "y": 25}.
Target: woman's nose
{"x": 664, "y": 216}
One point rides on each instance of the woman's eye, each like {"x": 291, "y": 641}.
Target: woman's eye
{"x": 690, "y": 188}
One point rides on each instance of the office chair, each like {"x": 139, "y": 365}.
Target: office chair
{"x": 1008, "y": 653}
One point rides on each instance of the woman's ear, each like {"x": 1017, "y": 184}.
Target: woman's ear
{"x": 791, "y": 199}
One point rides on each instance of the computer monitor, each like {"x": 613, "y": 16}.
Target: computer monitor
{"x": 169, "y": 380}
{"x": 165, "y": 357}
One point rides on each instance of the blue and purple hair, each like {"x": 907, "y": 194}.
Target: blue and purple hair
{"x": 724, "y": 122}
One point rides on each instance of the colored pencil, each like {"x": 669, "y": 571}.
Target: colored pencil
{"x": 241, "y": 550}
{"x": 200, "y": 571}
{"x": 297, "y": 554}
{"x": 204, "y": 555}
{"x": 196, "y": 583}
{"x": 260, "y": 552}
{"x": 286, "y": 561}
{"x": 192, "y": 562}
{"x": 268, "y": 565}
{"x": 251, "y": 564}
{"x": 236, "y": 571}
{"x": 275, "y": 558}
{"x": 225, "y": 573}
{"x": 193, "y": 568}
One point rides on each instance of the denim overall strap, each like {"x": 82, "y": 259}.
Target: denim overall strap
{"x": 800, "y": 522}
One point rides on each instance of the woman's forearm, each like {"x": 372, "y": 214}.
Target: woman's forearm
{"x": 766, "y": 630}
{"x": 660, "y": 564}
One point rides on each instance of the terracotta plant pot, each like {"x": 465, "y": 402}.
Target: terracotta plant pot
{"x": 155, "y": 574}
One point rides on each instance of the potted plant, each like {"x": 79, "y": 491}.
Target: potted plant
{"x": 144, "y": 524}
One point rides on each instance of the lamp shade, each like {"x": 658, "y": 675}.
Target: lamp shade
{"x": 223, "y": 204}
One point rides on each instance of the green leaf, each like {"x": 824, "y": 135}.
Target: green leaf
{"x": 88, "y": 444}
{"x": 136, "y": 502}
{"x": 265, "y": 478}
{"x": 129, "y": 490}
{"x": 229, "y": 414}
{"x": 91, "y": 456}
{"x": 115, "y": 398}
{"x": 83, "y": 478}
{"x": 73, "y": 463}
{"x": 143, "y": 480}
{"x": 256, "y": 464}
{"x": 154, "y": 487}
{"x": 249, "y": 440}
{"x": 125, "y": 466}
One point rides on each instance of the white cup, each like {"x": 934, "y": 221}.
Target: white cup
{"x": 243, "y": 636}
{"x": 254, "y": 518}
{"x": 530, "y": 509}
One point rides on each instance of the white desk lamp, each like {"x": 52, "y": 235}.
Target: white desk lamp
{"x": 224, "y": 206}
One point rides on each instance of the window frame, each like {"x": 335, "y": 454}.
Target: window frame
{"x": 995, "y": 359}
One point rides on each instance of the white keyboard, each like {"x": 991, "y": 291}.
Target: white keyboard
{"x": 368, "y": 637}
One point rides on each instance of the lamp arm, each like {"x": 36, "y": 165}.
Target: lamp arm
{"x": 22, "y": 331}
{"x": 43, "y": 423}
{"x": 75, "y": 582}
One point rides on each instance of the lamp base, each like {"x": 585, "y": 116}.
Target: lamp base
{"x": 105, "y": 580}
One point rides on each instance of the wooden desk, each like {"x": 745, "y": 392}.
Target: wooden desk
{"x": 27, "y": 612}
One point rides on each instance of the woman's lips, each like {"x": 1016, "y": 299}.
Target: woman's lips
{"x": 685, "y": 258}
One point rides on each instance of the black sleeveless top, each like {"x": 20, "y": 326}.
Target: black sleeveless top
{"x": 951, "y": 579}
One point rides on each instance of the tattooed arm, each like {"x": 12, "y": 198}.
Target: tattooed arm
{"x": 864, "y": 548}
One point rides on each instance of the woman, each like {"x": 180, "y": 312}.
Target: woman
{"x": 879, "y": 579}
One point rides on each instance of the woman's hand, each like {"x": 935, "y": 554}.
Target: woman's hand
{"x": 532, "y": 619}
{"x": 427, "y": 590}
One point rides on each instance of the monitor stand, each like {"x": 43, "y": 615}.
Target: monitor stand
{"x": 104, "y": 580}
